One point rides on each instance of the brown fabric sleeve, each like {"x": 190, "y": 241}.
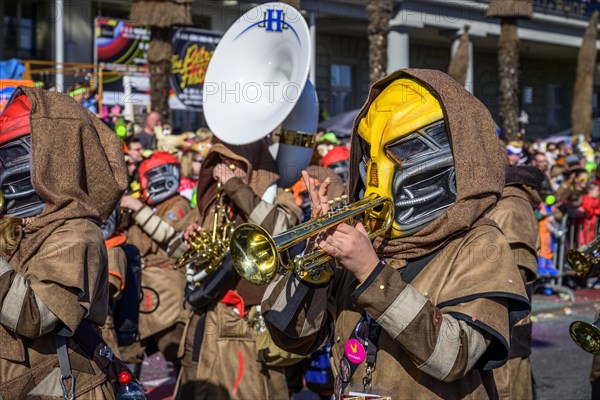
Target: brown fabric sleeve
{"x": 297, "y": 313}
{"x": 439, "y": 344}
{"x": 275, "y": 218}
{"x": 485, "y": 289}
{"x": 21, "y": 311}
{"x": 163, "y": 228}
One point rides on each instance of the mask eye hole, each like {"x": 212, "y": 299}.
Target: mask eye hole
{"x": 408, "y": 148}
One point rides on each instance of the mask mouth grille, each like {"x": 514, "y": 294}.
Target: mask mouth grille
{"x": 162, "y": 182}
{"x": 424, "y": 183}
{"x": 15, "y": 180}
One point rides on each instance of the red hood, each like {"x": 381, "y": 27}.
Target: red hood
{"x": 14, "y": 121}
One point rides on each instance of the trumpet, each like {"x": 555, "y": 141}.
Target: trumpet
{"x": 585, "y": 261}
{"x": 207, "y": 250}
{"x": 586, "y": 336}
{"x": 258, "y": 257}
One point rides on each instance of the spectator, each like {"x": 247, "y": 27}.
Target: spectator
{"x": 549, "y": 229}
{"x": 191, "y": 161}
{"x": 135, "y": 156}
{"x": 515, "y": 153}
{"x": 551, "y": 153}
{"x": 590, "y": 203}
{"x": 147, "y": 136}
{"x": 539, "y": 160}
{"x": 78, "y": 92}
{"x": 575, "y": 182}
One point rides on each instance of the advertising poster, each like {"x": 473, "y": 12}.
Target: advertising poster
{"x": 192, "y": 50}
{"x": 120, "y": 49}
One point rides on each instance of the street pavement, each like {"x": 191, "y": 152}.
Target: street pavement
{"x": 560, "y": 368}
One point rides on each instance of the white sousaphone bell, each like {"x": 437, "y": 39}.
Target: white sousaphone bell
{"x": 257, "y": 83}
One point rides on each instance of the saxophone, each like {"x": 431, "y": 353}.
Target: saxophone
{"x": 208, "y": 249}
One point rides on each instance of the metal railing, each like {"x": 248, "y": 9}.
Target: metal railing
{"x": 567, "y": 236}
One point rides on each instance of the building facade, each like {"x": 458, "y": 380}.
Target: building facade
{"x": 422, "y": 35}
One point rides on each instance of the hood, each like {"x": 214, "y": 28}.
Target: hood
{"x": 78, "y": 165}
{"x": 479, "y": 165}
{"x": 261, "y": 168}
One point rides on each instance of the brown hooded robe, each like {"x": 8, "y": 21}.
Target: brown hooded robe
{"x": 58, "y": 275}
{"x": 222, "y": 335}
{"x": 442, "y": 334}
{"x": 514, "y": 214}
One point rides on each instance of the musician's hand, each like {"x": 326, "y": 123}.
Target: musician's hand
{"x": 131, "y": 203}
{"x": 225, "y": 171}
{"x": 318, "y": 198}
{"x": 352, "y": 247}
{"x": 190, "y": 230}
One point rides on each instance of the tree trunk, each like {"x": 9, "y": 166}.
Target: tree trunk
{"x": 508, "y": 71}
{"x": 293, "y": 3}
{"x": 379, "y": 13}
{"x": 159, "y": 64}
{"x": 459, "y": 64}
{"x": 581, "y": 113}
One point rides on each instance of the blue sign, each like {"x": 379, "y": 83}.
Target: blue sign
{"x": 273, "y": 21}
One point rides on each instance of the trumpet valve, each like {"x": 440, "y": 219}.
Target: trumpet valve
{"x": 345, "y": 200}
{"x": 330, "y": 206}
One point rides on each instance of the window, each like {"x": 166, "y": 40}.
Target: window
{"x": 341, "y": 97}
{"x": 17, "y": 32}
{"x": 554, "y": 108}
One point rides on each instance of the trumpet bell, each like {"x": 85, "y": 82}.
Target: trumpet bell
{"x": 586, "y": 336}
{"x": 585, "y": 260}
{"x": 254, "y": 254}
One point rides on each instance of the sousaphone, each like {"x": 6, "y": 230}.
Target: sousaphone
{"x": 257, "y": 83}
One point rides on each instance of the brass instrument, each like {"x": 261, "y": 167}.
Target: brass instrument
{"x": 207, "y": 249}
{"x": 586, "y": 336}
{"x": 586, "y": 259}
{"x": 586, "y": 262}
{"x": 257, "y": 256}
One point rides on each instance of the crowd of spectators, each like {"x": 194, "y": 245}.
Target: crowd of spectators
{"x": 568, "y": 215}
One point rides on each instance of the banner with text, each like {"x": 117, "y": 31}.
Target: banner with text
{"x": 192, "y": 51}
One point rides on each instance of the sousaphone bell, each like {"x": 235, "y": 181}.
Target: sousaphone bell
{"x": 257, "y": 84}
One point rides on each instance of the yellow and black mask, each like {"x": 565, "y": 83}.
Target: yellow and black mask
{"x": 406, "y": 155}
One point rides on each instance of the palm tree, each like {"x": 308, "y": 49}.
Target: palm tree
{"x": 379, "y": 13}
{"x": 508, "y": 60}
{"x": 160, "y": 16}
{"x": 581, "y": 113}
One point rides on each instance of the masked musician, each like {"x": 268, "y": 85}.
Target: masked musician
{"x": 219, "y": 350}
{"x": 514, "y": 214}
{"x": 162, "y": 316}
{"x": 426, "y": 310}
{"x": 62, "y": 173}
